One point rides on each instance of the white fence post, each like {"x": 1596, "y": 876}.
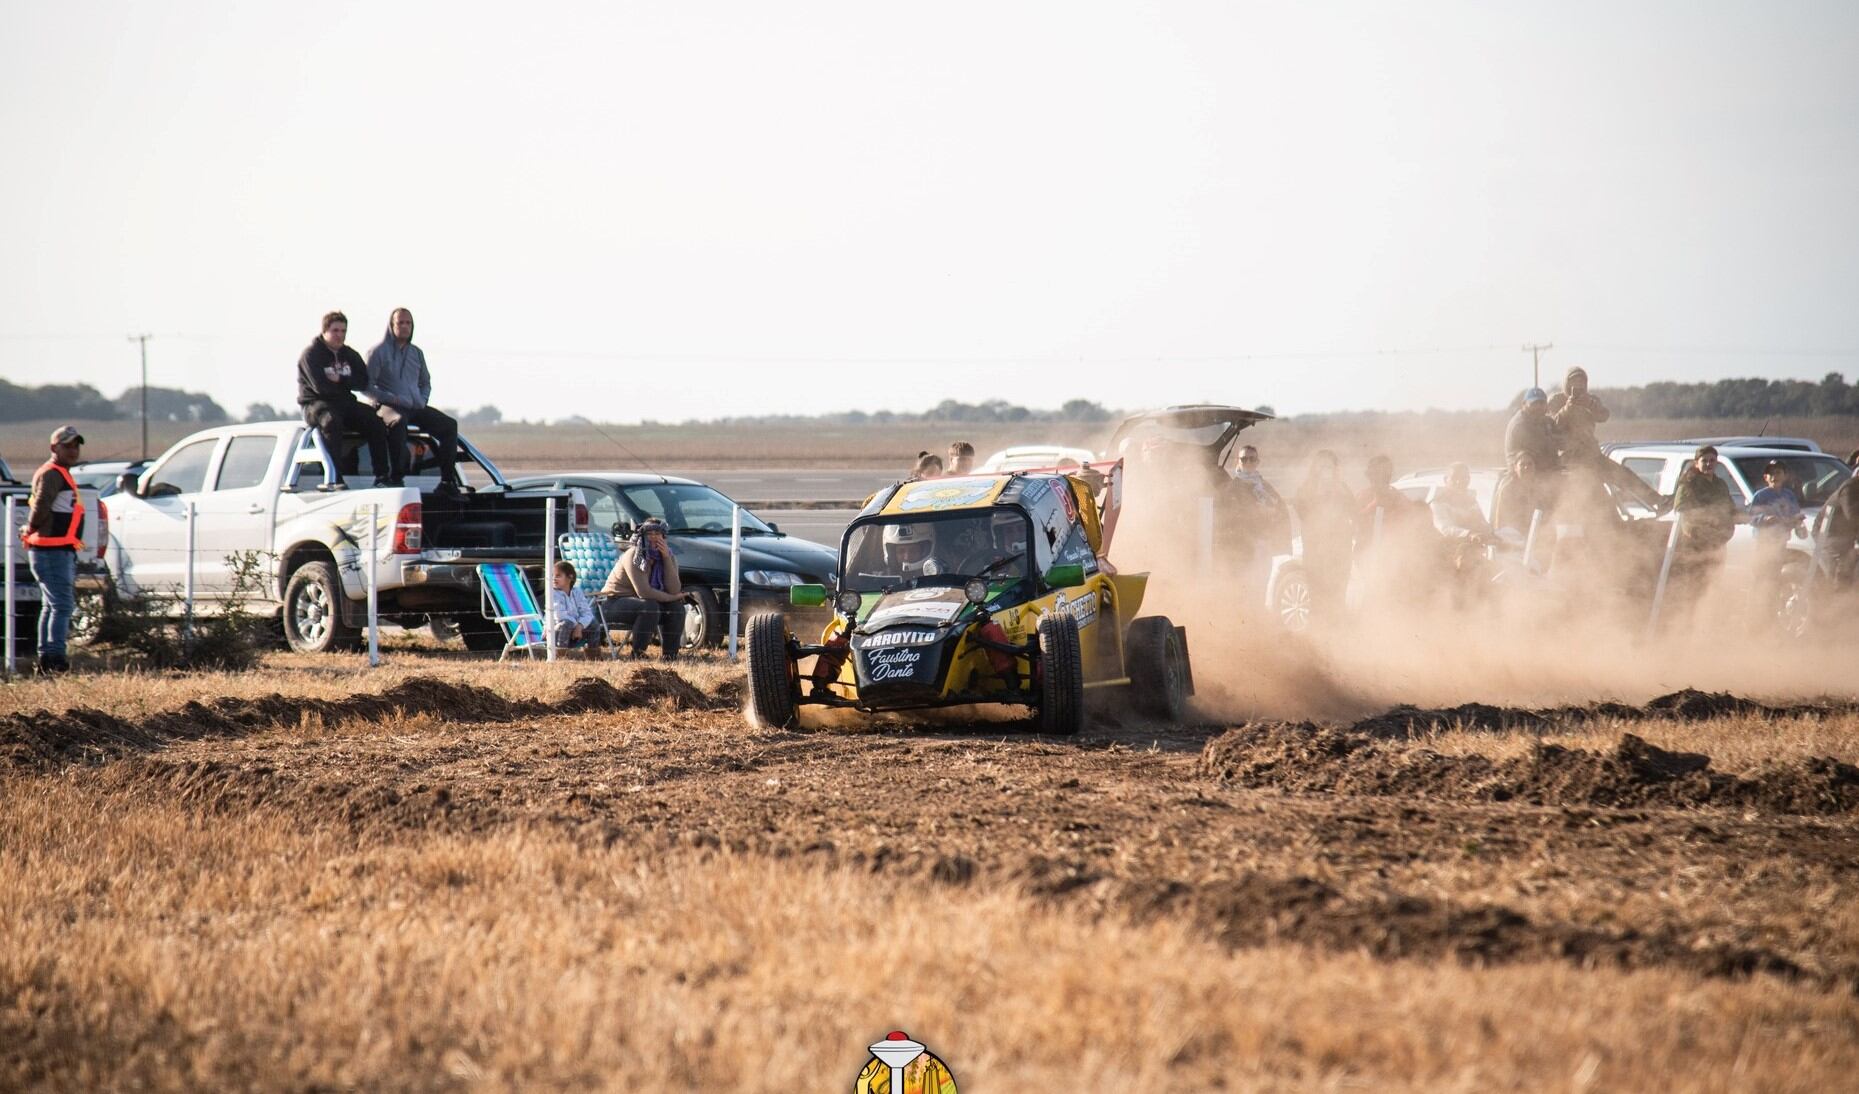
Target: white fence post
{"x": 187, "y": 624}
{"x": 374, "y": 581}
{"x": 12, "y": 543}
{"x": 735, "y": 576}
{"x": 548, "y": 580}
{"x": 1665, "y": 574}
{"x": 1529, "y": 541}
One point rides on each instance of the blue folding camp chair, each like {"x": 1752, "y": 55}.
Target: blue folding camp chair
{"x": 594, "y": 554}
{"x": 506, "y": 598}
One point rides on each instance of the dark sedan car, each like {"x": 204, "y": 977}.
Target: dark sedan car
{"x": 617, "y": 501}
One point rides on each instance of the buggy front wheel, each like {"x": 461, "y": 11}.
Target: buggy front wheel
{"x": 774, "y": 683}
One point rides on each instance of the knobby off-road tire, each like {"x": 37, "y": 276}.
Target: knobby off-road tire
{"x": 313, "y": 611}
{"x": 774, "y": 688}
{"x": 1158, "y": 668}
{"x": 1061, "y": 676}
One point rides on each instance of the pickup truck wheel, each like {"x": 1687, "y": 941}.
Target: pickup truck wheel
{"x": 313, "y": 611}
{"x": 774, "y": 678}
{"x": 1061, "y": 676}
{"x": 1158, "y": 667}
{"x": 704, "y": 619}
{"x": 443, "y": 627}
{"x": 1291, "y": 600}
{"x": 481, "y": 635}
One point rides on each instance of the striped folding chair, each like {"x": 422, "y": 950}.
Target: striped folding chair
{"x": 506, "y": 598}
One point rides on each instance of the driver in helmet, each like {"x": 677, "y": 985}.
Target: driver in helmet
{"x": 910, "y": 549}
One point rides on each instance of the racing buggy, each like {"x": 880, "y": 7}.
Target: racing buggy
{"x": 990, "y": 589}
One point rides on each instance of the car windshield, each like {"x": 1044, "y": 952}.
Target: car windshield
{"x": 96, "y": 478}
{"x": 689, "y": 509}
{"x": 1815, "y": 477}
{"x": 948, "y": 550}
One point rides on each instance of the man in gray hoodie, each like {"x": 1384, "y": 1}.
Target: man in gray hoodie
{"x": 400, "y": 386}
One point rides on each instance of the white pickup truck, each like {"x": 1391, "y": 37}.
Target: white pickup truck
{"x": 254, "y": 487}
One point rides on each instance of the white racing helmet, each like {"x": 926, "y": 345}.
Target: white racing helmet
{"x": 911, "y": 549}
{"x": 1009, "y": 530}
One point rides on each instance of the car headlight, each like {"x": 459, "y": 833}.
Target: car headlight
{"x": 774, "y": 579}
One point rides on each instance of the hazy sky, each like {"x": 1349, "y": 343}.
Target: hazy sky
{"x": 681, "y": 210}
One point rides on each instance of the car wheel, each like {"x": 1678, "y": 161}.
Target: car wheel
{"x": 313, "y": 611}
{"x": 1792, "y": 605}
{"x": 705, "y": 622}
{"x": 444, "y": 628}
{"x": 1291, "y": 600}
{"x": 1061, "y": 676}
{"x": 1158, "y": 667}
{"x": 774, "y": 681}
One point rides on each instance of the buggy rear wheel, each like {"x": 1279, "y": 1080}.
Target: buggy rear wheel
{"x": 1158, "y": 664}
{"x": 1061, "y": 676}
{"x": 774, "y": 685}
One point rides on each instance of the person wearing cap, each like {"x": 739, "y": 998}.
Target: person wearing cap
{"x": 1574, "y": 412}
{"x": 644, "y": 593}
{"x": 53, "y": 537}
{"x": 1532, "y": 430}
{"x": 329, "y": 373}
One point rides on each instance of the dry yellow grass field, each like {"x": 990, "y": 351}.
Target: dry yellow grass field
{"x": 592, "y": 876}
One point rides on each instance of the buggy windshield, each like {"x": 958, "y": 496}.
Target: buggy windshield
{"x": 944, "y": 550}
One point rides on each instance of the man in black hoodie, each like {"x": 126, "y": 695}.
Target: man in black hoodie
{"x": 329, "y": 374}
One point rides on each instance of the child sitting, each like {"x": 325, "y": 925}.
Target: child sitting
{"x": 574, "y": 612}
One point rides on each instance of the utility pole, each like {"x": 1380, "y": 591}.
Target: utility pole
{"x": 1536, "y": 361}
{"x": 143, "y": 340}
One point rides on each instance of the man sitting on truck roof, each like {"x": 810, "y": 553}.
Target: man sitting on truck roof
{"x": 400, "y": 385}
{"x": 329, "y": 374}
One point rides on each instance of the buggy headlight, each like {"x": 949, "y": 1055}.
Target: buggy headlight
{"x": 976, "y": 590}
{"x": 848, "y": 602}
{"x": 774, "y": 579}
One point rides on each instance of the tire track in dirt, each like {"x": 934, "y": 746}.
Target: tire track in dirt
{"x": 42, "y": 740}
{"x": 1303, "y": 758}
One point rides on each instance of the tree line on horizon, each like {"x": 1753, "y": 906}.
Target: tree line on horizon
{"x": 1831, "y": 396}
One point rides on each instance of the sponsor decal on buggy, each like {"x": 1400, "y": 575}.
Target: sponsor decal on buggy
{"x": 935, "y": 610}
{"x": 897, "y": 638}
{"x": 899, "y": 664}
{"x": 1083, "y": 609}
{"x": 925, "y": 594}
{"x": 944, "y": 494}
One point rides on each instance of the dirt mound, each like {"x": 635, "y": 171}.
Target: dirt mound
{"x": 1407, "y": 722}
{"x": 39, "y": 740}
{"x": 1304, "y": 758}
{"x": 1256, "y": 910}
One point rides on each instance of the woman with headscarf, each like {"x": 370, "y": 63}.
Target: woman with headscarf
{"x": 1325, "y": 512}
{"x": 644, "y": 593}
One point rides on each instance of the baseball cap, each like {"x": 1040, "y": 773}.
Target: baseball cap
{"x": 65, "y": 434}
{"x": 1535, "y": 395}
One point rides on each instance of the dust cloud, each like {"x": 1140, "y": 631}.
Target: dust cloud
{"x": 1415, "y": 631}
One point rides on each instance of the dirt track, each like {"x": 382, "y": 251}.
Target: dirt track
{"x": 1359, "y": 838}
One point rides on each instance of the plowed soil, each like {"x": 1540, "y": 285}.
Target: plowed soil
{"x": 1343, "y": 839}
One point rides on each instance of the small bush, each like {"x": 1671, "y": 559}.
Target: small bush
{"x": 153, "y": 626}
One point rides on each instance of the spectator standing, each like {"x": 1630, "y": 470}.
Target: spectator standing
{"x": 961, "y": 459}
{"x": 1261, "y": 524}
{"x": 645, "y": 594}
{"x": 401, "y": 386}
{"x": 1325, "y": 513}
{"x": 329, "y": 374}
{"x": 1457, "y": 517}
{"x": 928, "y": 466}
{"x": 1708, "y": 519}
{"x": 1531, "y": 430}
{"x": 53, "y": 536}
{"x": 574, "y": 612}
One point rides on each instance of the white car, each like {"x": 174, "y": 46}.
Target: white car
{"x": 1034, "y": 457}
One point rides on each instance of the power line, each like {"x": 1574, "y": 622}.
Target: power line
{"x": 1536, "y": 361}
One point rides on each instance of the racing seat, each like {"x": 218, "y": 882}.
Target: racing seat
{"x": 506, "y": 598}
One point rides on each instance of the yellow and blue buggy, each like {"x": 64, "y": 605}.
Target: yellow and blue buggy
{"x": 977, "y": 590}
